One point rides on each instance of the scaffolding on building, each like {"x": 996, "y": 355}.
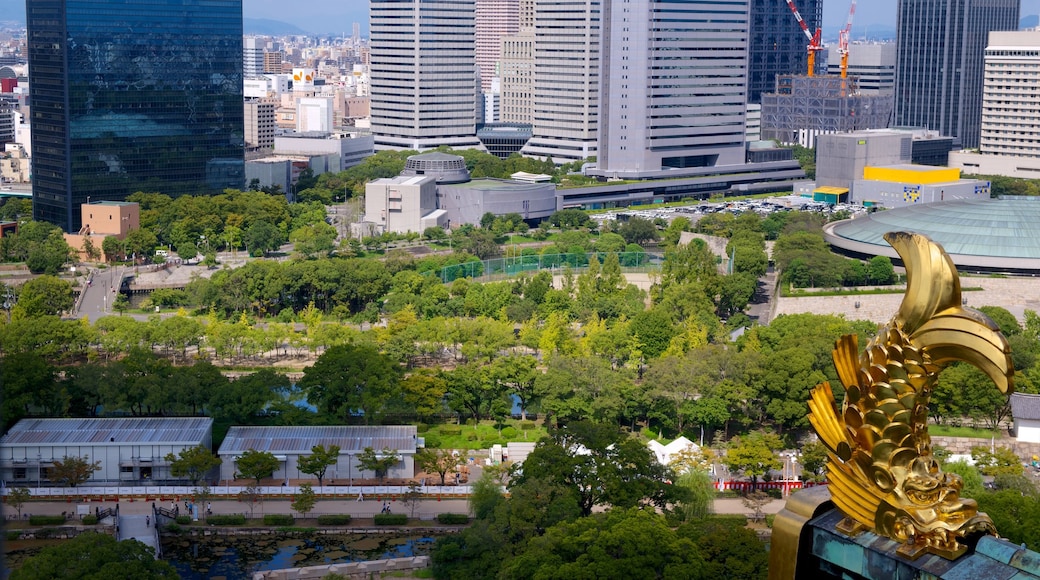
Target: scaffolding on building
{"x": 803, "y": 107}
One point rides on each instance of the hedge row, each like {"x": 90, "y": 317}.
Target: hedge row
{"x": 46, "y": 520}
{"x": 226, "y": 520}
{"x": 391, "y": 519}
{"x": 90, "y": 520}
{"x": 334, "y": 519}
{"x": 183, "y": 520}
{"x": 453, "y": 519}
{"x": 278, "y": 520}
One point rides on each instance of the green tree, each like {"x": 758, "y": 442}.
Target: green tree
{"x": 349, "y": 380}
{"x": 250, "y": 496}
{"x": 999, "y": 461}
{"x": 262, "y": 237}
{"x": 753, "y": 455}
{"x": 17, "y": 498}
{"x": 256, "y": 465}
{"x": 609, "y": 470}
{"x": 193, "y": 462}
{"x": 379, "y": 462}
{"x": 72, "y": 471}
{"x": 439, "y": 461}
{"x": 814, "y": 461}
{"x": 486, "y": 496}
{"x": 700, "y": 495}
{"x": 42, "y": 296}
{"x": 304, "y": 501}
{"x": 319, "y": 461}
{"x": 92, "y": 556}
{"x": 638, "y": 230}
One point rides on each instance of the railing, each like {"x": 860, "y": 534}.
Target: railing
{"x": 167, "y": 493}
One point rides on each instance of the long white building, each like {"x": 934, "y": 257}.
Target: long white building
{"x": 1010, "y": 131}
{"x": 423, "y": 74}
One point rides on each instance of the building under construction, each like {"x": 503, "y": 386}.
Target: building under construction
{"x": 806, "y": 106}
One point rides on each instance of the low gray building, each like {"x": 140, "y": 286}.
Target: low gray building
{"x": 466, "y": 203}
{"x": 287, "y": 444}
{"x": 131, "y": 450}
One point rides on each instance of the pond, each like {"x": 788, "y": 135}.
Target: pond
{"x": 238, "y": 557}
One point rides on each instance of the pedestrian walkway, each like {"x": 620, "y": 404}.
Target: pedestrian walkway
{"x": 138, "y": 528}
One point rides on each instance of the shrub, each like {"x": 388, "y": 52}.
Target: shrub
{"x": 527, "y": 426}
{"x": 41, "y": 520}
{"x": 453, "y": 519}
{"x": 433, "y": 441}
{"x": 278, "y": 520}
{"x": 12, "y": 536}
{"x": 89, "y": 520}
{"x": 226, "y": 520}
{"x": 472, "y": 437}
{"x": 509, "y": 433}
{"x": 391, "y": 519}
{"x": 770, "y": 518}
{"x": 775, "y": 493}
{"x": 422, "y": 428}
{"x": 451, "y": 430}
{"x": 183, "y": 520}
{"x": 174, "y": 529}
{"x": 334, "y": 519}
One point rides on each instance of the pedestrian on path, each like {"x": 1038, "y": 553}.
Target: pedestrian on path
{"x": 361, "y": 496}
{"x": 148, "y": 521}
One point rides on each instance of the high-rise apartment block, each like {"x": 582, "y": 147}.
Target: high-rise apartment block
{"x": 252, "y": 57}
{"x": 939, "y": 62}
{"x": 133, "y": 96}
{"x": 777, "y": 44}
{"x": 1010, "y": 134}
{"x": 674, "y": 82}
{"x": 259, "y": 124}
{"x": 495, "y": 19}
{"x": 273, "y": 62}
{"x": 873, "y": 65}
{"x": 565, "y": 99}
{"x": 424, "y": 81}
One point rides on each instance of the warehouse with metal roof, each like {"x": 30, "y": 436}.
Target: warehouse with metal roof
{"x": 983, "y": 235}
{"x": 131, "y": 450}
{"x": 287, "y": 444}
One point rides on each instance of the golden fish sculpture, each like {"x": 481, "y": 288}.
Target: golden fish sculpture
{"x": 881, "y": 470}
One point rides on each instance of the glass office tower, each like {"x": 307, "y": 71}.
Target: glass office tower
{"x": 130, "y": 95}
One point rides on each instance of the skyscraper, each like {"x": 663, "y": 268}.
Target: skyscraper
{"x": 133, "y": 96}
{"x": 517, "y": 69}
{"x": 252, "y": 57}
{"x": 777, "y": 44}
{"x": 565, "y": 100}
{"x": 674, "y": 78}
{"x": 424, "y": 76}
{"x": 939, "y": 62}
{"x": 494, "y": 19}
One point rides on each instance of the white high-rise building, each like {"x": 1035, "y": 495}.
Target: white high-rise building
{"x": 252, "y": 57}
{"x": 423, "y": 74}
{"x": 1010, "y": 133}
{"x": 565, "y": 100}
{"x": 494, "y": 20}
{"x": 874, "y": 66}
{"x": 674, "y": 85}
{"x": 517, "y": 69}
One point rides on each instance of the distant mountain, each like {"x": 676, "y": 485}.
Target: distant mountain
{"x": 1031, "y": 21}
{"x": 265, "y": 27}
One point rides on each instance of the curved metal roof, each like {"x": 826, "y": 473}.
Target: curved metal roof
{"x": 991, "y": 234}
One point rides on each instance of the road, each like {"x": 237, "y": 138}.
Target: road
{"x": 98, "y": 296}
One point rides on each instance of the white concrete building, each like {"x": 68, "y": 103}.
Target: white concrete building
{"x": 403, "y": 204}
{"x": 423, "y": 74}
{"x": 494, "y": 19}
{"x": 1010, "y": 135}
{"x": 289, "y": 443}
{"x": 314, "y": 114}
{"x": 1025, "y": 409}
{"x": 252, "y": 57}
{"x": 873, "y": 64}
{"x": 131, "y": 450}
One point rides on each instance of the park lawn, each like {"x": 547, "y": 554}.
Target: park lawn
{"x": 951, "y": 431}
{"x": 483, "y": 435}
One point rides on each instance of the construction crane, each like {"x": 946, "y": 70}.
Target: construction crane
{"x": 843, "y": 47}
{"x": 814, "y": 39}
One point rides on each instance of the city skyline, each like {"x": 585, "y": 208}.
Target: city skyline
{"x": 314, "y": 16}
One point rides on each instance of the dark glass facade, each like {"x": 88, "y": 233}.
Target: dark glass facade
{"x": 777, "y": 44}
{"x": 939, "y": 63}
{"x": 133, "y": 95}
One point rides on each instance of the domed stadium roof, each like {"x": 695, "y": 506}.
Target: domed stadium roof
{"x": 447, "y": 168}
{"x": 985, "y": 235}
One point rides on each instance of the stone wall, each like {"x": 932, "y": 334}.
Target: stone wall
{"x": 352, "y": 570}
{"x": 963, "y": 445}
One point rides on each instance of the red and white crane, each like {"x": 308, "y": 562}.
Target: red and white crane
{"x": 814, "y": 39}
{"x": 843, "y": 47}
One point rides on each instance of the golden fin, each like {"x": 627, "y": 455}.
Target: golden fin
{"x": 846, "y": 360}
{"x": 932, "y": 284}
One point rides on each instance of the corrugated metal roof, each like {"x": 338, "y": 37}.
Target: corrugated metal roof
{"x": 300, "y": 440}
{"x": 121, "y": 431}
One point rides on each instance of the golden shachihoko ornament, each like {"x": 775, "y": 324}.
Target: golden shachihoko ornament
{"x": 883, "y": 476}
